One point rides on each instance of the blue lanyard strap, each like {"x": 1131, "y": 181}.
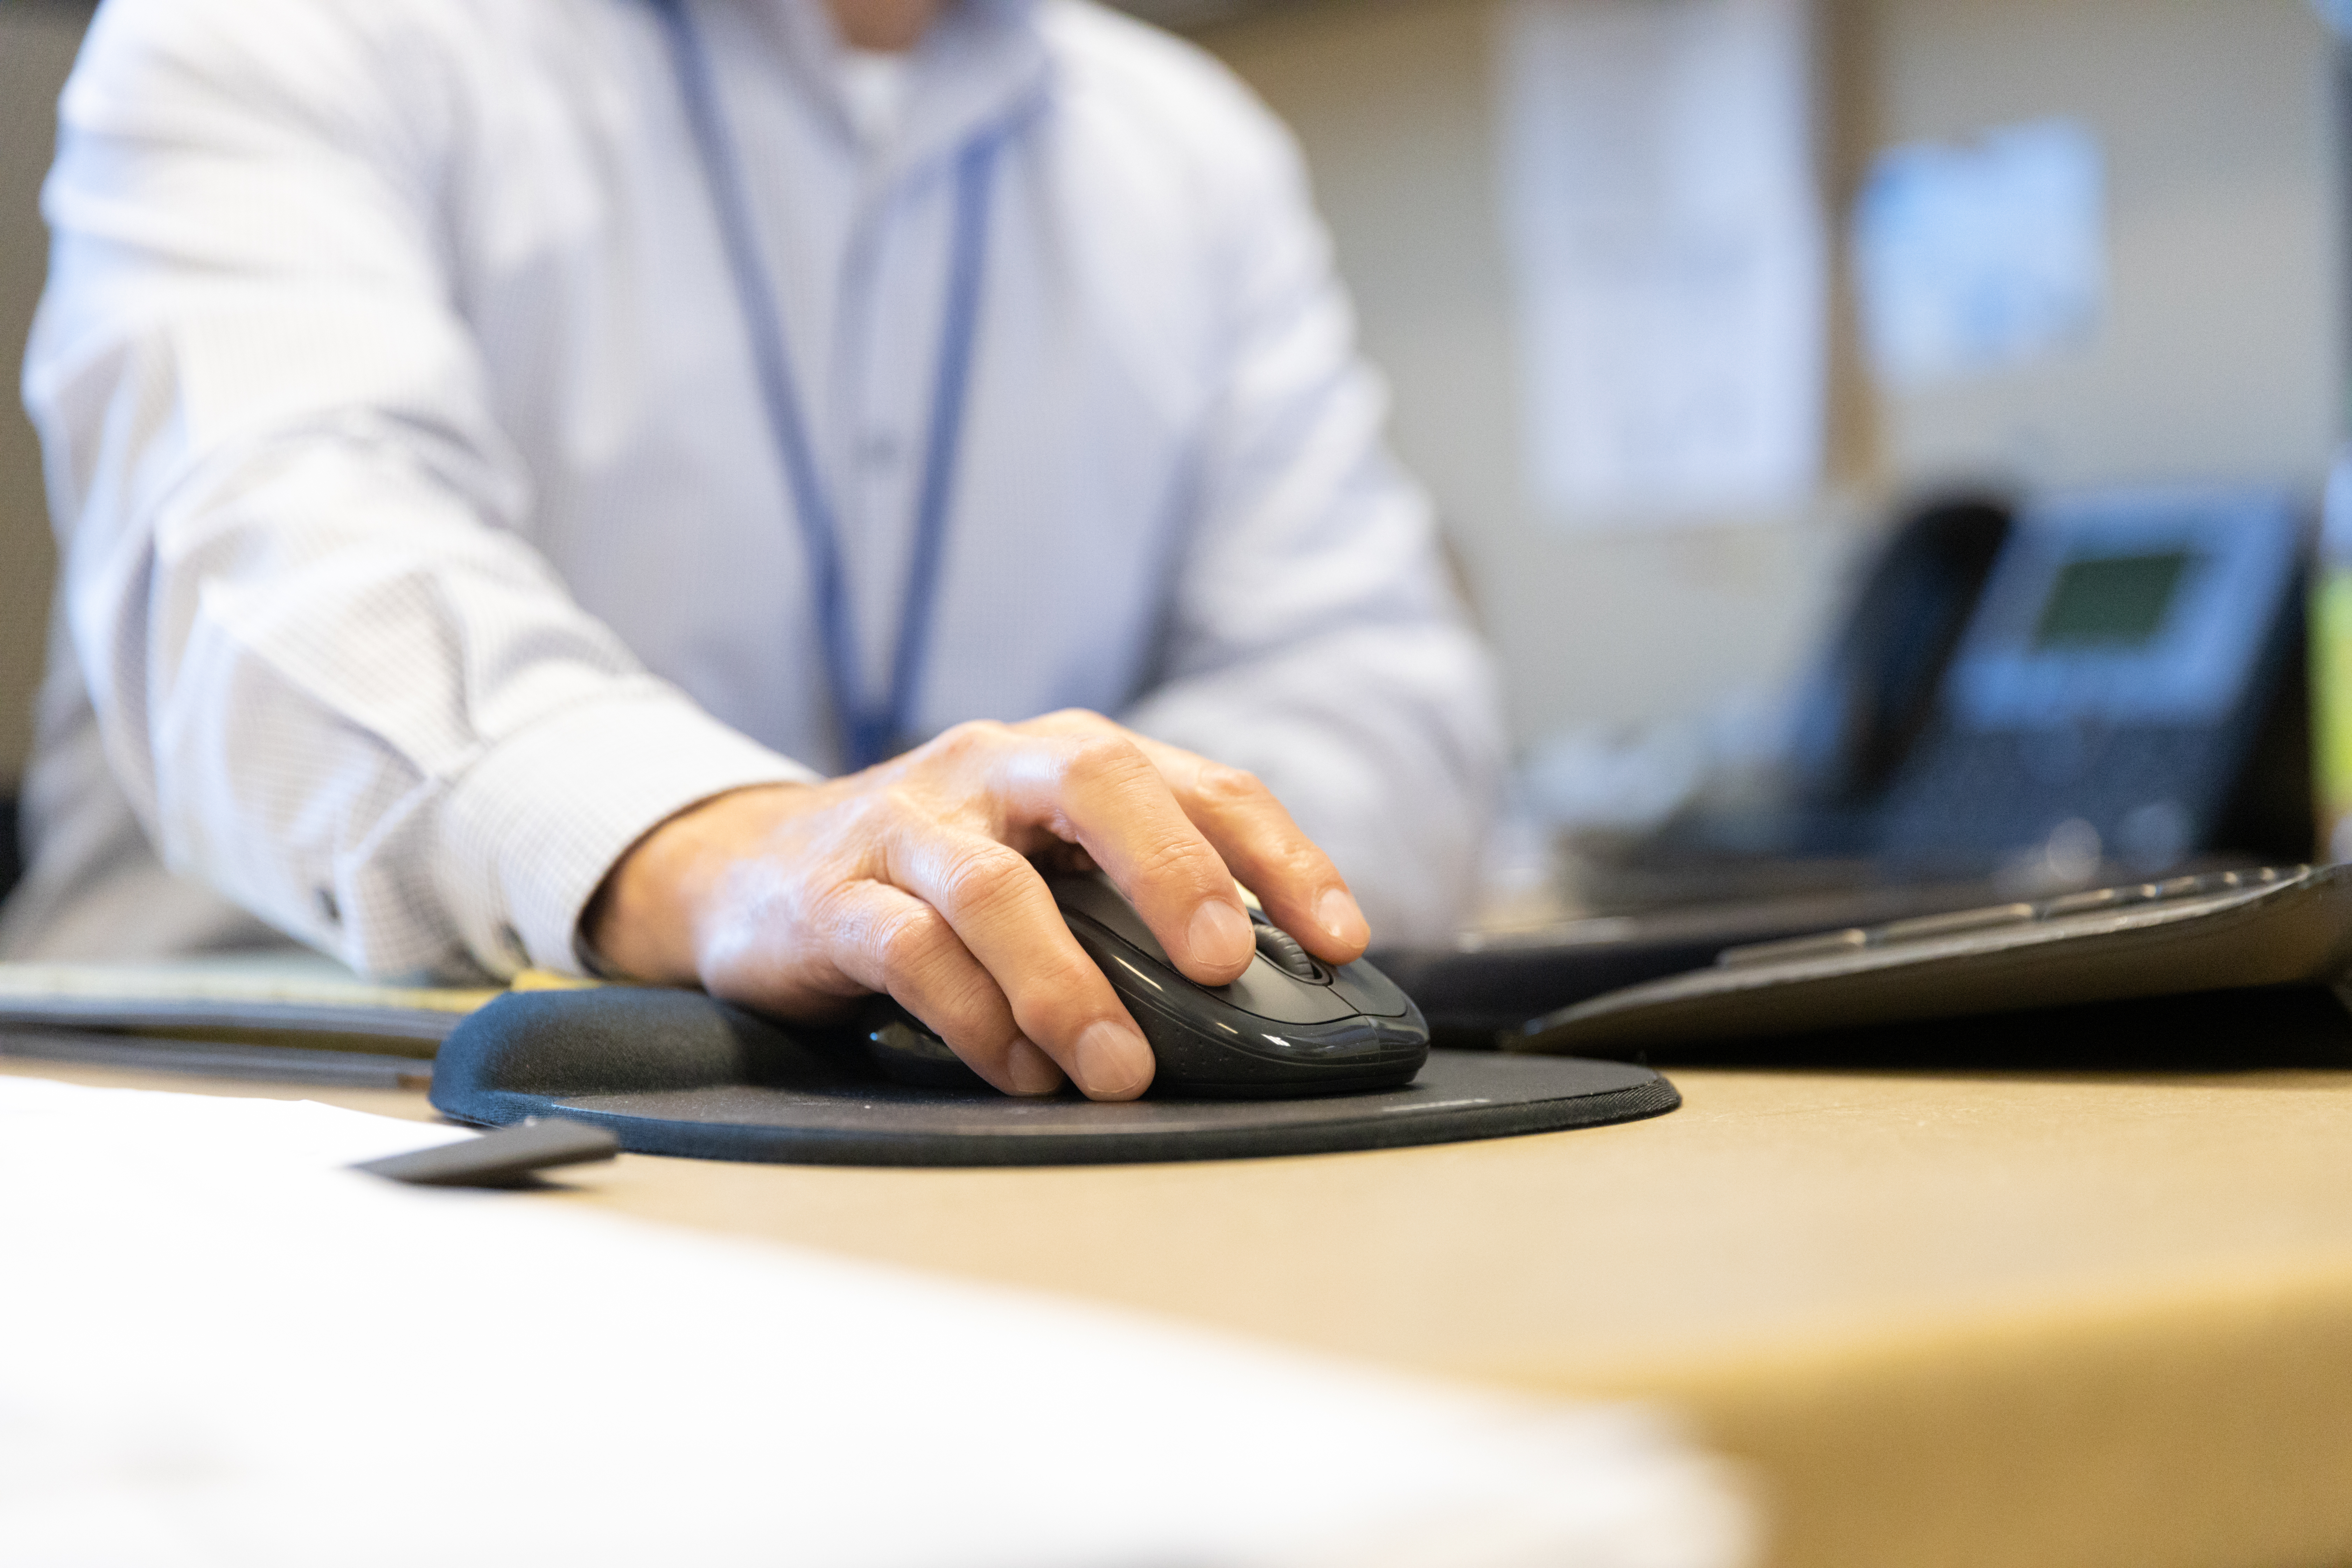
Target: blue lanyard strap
{"x": 868, "y": 732}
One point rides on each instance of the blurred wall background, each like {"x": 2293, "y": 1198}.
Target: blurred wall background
{"x": 38, "y": 38}
{"x": 2221, "y": 352}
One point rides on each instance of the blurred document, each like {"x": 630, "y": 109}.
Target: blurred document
{"x": 218, "y": 1347}
{"x": 1976, "y": 258}
{"x": 1667, "y": 240}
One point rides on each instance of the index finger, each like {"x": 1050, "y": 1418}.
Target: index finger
{"x": 1091, "y": 783}
{"x": 1003, "y": 918}
{"x": 1301, "y": 890}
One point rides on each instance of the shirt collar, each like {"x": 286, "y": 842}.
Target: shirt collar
{"x": 983, "y": 65}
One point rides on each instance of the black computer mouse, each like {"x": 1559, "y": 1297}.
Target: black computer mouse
{"x": 1289, "y": 1027}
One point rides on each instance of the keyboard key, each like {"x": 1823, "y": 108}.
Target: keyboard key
{"x": 2094, "y": 900}
{"x": 1926, "y": 928}
{"x": 1822, "y": 946}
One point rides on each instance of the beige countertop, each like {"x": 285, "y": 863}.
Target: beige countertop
{"x": 2065, "y": 1319}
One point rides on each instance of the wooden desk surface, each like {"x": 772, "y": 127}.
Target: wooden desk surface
{"x": 1965, "y": 1319}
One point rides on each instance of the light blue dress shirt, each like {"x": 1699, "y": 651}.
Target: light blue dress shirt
{"x": 423, "y": 543}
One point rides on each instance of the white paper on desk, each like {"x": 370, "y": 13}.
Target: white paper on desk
{"x": 215, "y": 1348}
{"x": 1664, "y": 227}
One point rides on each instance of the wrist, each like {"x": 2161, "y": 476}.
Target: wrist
{"x": 642, "y": 923}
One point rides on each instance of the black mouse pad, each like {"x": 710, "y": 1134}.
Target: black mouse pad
{"x": 674, "y": 1072}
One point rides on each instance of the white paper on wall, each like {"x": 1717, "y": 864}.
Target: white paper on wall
{"x": 1976, "y": 258}
{"x": 1666, "y": 228}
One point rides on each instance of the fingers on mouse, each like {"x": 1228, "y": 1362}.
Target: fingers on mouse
{"x": 1288, "y": 1025}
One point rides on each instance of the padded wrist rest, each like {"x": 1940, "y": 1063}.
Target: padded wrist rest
{"x": 677, "y": 1072}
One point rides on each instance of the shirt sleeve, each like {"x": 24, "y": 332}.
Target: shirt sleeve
{"x": 1315, "y": 637}
{"x": 333, "y": 677}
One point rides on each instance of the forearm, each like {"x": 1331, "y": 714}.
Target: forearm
{"x": 336, "y": 696}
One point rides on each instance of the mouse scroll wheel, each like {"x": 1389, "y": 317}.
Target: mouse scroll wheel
{"x": 1282, "y": 949}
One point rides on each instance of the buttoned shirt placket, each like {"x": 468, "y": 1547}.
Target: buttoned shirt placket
{"x": 871, "y": 415}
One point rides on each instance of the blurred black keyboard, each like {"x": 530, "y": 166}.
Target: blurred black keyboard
{"x": 1487, "y": 984}
{"x": 2238, "y": 930}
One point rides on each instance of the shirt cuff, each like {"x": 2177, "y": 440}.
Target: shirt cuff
{"x": 529, "y": 832}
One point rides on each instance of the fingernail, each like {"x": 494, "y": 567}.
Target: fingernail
{"x": 1030, "y": 1070}
{"x": 1220, "y": 934}
{"x": 1113, "y": 1060}
{"x": 1336, "y": 914}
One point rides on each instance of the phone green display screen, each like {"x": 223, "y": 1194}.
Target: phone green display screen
{"x": 2110, "y": 601}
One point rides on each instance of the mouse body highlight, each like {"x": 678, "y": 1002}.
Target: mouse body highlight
{"x": 1288, "y": 1027}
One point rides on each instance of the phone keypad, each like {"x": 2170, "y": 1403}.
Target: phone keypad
{"x": 1969, "y": 792}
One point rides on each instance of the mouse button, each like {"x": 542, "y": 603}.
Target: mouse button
{"x": 1267, "y": 992}
{"x": 1371, "y": 992}
{"x": 1261, "y": 992}
{"x": 1129, "y": 971}
{"x": 1092, "y": 894}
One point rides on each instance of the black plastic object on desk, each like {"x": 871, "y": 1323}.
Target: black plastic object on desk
{"x": 2217, "y": 933}
{"x": 1489, "y": 985}
{"x": 676, "y": 1072}
{"x": 506, "y": 1158}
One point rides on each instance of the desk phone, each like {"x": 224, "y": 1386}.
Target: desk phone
{"x": 2218, "y": 931}
{"x": 2096, "y": 676}
{"x": 2110, "y": 678}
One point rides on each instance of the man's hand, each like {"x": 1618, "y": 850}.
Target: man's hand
{"x": 916, "y": 877}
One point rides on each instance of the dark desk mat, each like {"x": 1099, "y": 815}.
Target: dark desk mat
{"x": 674, "y": 1072}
